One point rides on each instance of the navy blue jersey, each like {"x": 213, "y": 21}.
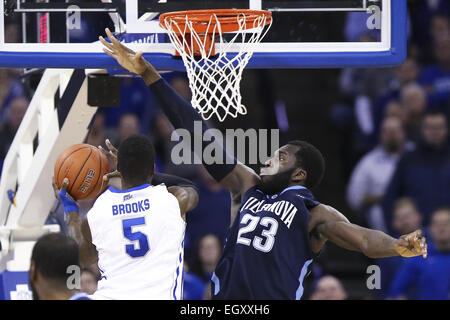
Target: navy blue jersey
{"x": 268, "y": 250}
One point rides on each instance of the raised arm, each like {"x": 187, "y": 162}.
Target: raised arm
{"x": 326, "y": 223}
{"x": 232, "y": 175}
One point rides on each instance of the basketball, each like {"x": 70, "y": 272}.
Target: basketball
{"x": 84, "y": 165}
{"x": 328, "y": 123}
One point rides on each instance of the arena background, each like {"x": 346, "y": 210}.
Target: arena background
{"x": 320, "y": 107}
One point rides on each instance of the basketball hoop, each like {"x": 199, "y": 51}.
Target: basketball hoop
{"x": 215, "y": 75}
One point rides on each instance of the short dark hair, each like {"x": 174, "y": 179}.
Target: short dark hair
{"x": 53, "y": 254}
{"x": 136, "y": 158}
{"x": 311, "y": 160}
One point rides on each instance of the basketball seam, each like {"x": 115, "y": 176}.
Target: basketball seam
{"x": 81, "y": 168}
{"x": 100, "y": 171}
{"x": 67, "y": 157}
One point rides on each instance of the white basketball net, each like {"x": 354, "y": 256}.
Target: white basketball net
{"x": 215, "y": 81}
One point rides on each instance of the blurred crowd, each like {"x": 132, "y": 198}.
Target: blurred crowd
{"x": 398, "y": 158}
{"x": 397, "y": 161}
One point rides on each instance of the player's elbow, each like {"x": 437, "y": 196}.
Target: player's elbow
{"x": 193, "y": 198}
{"x": 187, "y": 197}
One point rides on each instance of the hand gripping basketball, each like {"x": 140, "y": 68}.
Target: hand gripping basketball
{"x": 69, "y": 204}
{"x": 112, "y": 155}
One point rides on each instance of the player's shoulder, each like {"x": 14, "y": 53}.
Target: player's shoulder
{"x": 300, "y": 194}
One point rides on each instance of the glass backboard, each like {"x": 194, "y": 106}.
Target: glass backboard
{"x": 304, "y": 33}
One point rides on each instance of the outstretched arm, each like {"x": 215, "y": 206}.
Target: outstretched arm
{"x": 326, "y": 223}
{"x": 231, "y": 174}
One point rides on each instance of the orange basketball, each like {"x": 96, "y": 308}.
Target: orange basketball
{"x": 84, "y": 165}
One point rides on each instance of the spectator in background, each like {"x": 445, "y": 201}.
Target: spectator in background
{"x": 88, "y": 281}
{"x": 436, "y": 77}
{"x": 395, "y": 109}
{"x": 431, "y": 276}
{"x": 208, "y": 254}
{"x": 422, "y": 14}
{"x": 414, "y": 102}
{"x": 329, "y": 288}
{"x": 423, "y": 174}
{"x": 135, "y": 98}
{"x": 16, "y": 112}
{"x": 128, "y": 126}
{"x": 10, "y": 89}
{"x": 405, "y": 74}
{"x": 440, "y": 27}
{"x": 406, "y": 219}
{"x": 372, "y": 174}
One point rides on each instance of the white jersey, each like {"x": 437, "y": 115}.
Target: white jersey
{"x": 139, "y": 236}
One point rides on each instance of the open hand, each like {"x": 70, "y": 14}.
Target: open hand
{"x": 412, "y": 245}
{"x": 127, "y": 58}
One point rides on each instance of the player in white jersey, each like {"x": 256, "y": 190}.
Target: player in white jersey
{"x": 136, "y": 233}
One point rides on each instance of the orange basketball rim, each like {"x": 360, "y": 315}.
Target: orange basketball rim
{"x": 212, "y": 23}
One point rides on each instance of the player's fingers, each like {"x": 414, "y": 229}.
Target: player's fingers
{"x": 116, "y": 43}
{"x": 111, "y": 148}
{"x": 412, "y": 237}
{"x": 113, "y": 39}
{"x": 113, "y": 155}
{"x": 106, "y": 43}
{"x": 423, "y": 246}
{"x": 110, "y": 175}
{"x": 110, "y": 53}
{"x": 418, "y": 233}
{"x": 103, "y": 150}
{"x": 423, "y": 242}
{"x": 64, "y": 184}
{"x": 106, "y": 153}
{"x": 403, "y": 242}
{"x": 139, "y": 55}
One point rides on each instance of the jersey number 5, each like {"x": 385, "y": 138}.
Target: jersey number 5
{"x": 263, "y": 245}
{"x": 135, "y": 236}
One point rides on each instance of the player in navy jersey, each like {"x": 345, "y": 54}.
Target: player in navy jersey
{"x": 279, "y": 227}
